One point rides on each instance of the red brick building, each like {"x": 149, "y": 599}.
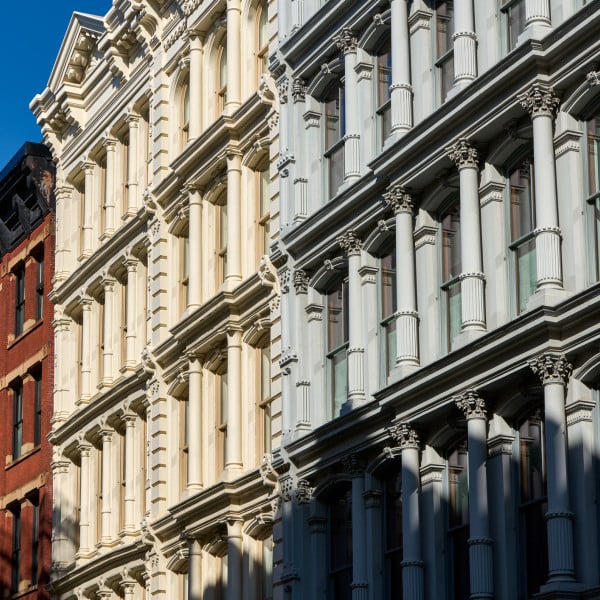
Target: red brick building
{"x": 26, "y": 371}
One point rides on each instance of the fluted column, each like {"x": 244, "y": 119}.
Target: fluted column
{"x": 233, "y": 443}
{"x": 401, "y": 93}
{"x": 195, "y": 247}
{"x": 88, "y": 203}
{"x": 233, "y": 274}
{"x": 234, "y": 558}
{"x": 541, "y": 103}
{"x": 62, "y": 512}
{"x": 84, "y": 499}
{"x": 465, "y": 43}
{"x": 63, "y": 402}
{"x": 480, "y": 543}
{"x": 352, "y": 244}
{"x": 347, "y": 42}
{"x": 356, "y": 468}
{"x": 133, "y": 122}
{"x": 234, "y": 36}
{"x": 64, "y": 216}
{"x": 303, "y": 413}
{"x": 109, "y": 189}
{"x": 131, "y": 356}
{"x": 107, "y": 481}
{"x": 108, "y": 326}
{"x": 130, "y": 465}
{"x": 194, "y": 569}
{"x": 195, "y": 83}
{"x": 537, "y": 14}
{"x": 554, "y": 372}
{"x": 466, "y": 158}
{"x": 407, "y": 319}
{"x": 194, "y": 424}
{"x": 86, "y": 351}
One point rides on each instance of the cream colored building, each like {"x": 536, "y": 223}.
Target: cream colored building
{"x": 162, "y": 117}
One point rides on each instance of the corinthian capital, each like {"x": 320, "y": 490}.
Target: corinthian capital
{"x": 346, "y": 41}
{"x": 540, "y": 100}
{"x": 551, "y": 368}
{"x": 300, "y": 281}
{"x": 404, "y": 436}
{"x": 350, "y": 243}
{"x": 472, "y": 404}
{"x": 464, "y": 154}
{"x": 398, "y": 199}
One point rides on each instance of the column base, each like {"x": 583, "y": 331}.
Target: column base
{"x": 560, "y": 590}
{"x": 534, "y": 32}
{"x": 231, "y": 283}
{"x": 467, "y": 336}
{"x": 402, "y": 370}
{"x": 547, "y": 297}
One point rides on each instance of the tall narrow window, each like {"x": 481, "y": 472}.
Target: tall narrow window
{"x": 17, "y": 438}
{"x": 522, "y": 225}
{"x": 37, "y": 423}
{"x": 445, "y": 50}
{"x": 337, "y": 345}
{"x": 15, "y": 563}
{"x": 388, "y": 310}
{"x": 514, "y": 19}
{"x": 222, "y": 240}
{"x": 340, "y": 546}
{"x": 267, "y": 568}
{"x": 393, "y": 535}
{"x": 593, "y": 169}
{"x": 458, "y": 521}
{"x": 35, "y": 542}
{"x": 185, "y": 115}
{"x": 264, "y": 210}
{"x": 222, "y": 420}
{"x": 451, "y": 270}
{"x": 265, "y": 396}
{"x": 184, "y": 272}
{"x": 183, "y": 445}
{"x": 533, "y": 503}
{"x": 19, "y": 299}
{"x": 262, "y": 52}
{"x": 222, "y": 80}
{"x": 39, "y": 287}
{"x": 335, "y": 129}
{"x": 384, "y": 81}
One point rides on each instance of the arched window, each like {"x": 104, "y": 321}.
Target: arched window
{"x": 388, "y": 310}
{"x": 262, "y": 37}
{"x": 337, "y": 345}
{"x": 592, "y": 128}
{"x": 444, "y": 28}
{"x": 384, "y": 81}
{"x": 222, "y": 79}
{"x": 185, "y": 115}
{"x": 451, "y": 270}
{"x": 335, "y": 129}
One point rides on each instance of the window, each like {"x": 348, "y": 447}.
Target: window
{"x": 185, "y": 115}
{"x": 522, "y": 225}
{"x": 267, "y": 568}
{"x": 388, "y": 310}
{"x": 335, "y": 129}
{"x": 222, "y": 420}
{"x": 533, "y": 503}
{"x": 451, "y": 270}
{"x": 221, "y": 210}
{"x": 35, "y": 543}
{"x": 262, "y": 52}
{"x": 337, "y": 345}
{"x": 183, "y": 445}
{"x": 593, "y": 179}
{"x": 514, "y": 21}
{"x": 458, "y": 521}
{"x": 393, "y": 535}
{"x": 19, "y": 299}
{"x": 340, "y": 546}
{"x": 39, "y": 287}
{"x": 37, "y": 423}
{"x": 17, "y": 439}
{"x": 222, "y": 79}
{"x": 384, "y": 81}
{"x": 265, "y": 396}
{"x": 444, "y": 28}
{"x": 184, "y": 272}
{"x": 15, "y": 578}
{"x": 264, "y": 211}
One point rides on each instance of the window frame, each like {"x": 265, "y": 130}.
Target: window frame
{"x": 334, "y": 152}
{"x": 18, "y": 419}
{"x": 444, "y": 51}
{"x": 383, "y": 100}
{"x": 506, "y": 7}
{"x": 387, "y": 322}
{"x": 592, "y": 189}
{"x": 39, "y": 286}
{"x": 333, "y": 571}
{"x": 20, "y": 298}
{"x": 16, "y": 548}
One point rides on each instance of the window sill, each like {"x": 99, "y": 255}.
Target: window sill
{"x": 27, "y": 329}
{"x": 23, "y": 457}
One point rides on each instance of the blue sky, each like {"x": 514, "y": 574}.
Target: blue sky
{"x": 30, "y": 37}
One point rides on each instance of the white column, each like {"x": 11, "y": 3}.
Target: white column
{"x": 407, "y": 319}
{"x": 107, "y": 357}
{"x": 130, "y": 465}
{"x": 352, "y": 244}
{"x": 466, "y": 158}
{"x": 480, "y": 544}
{"x": 195, "y": 83}
{"x": 303, "y": 413}
{"x": 412, "y": 559}
{"x": 194, "y": 424}
{"x": 347, "y": 42}
{"x": 64, "y": 209}
{"x": 300, "y": 181}
{"x": 128, "y": 588}
{"x": 234, "y": 242}
{"x": 88, "y": 203}
{"x": 234, "y": 36}
{"x": 234, "y": 559}
{"x": 109, "y": 189}
{"x": 401, "y": 89}
{"x": 133, "y": 121}
{"x": 355, "y": 467}
{"x": 86, "y": 351}
{"x": 465, "y": 43}
{"x": 541, "y": 103}
{"x": 63, "y": 548}
{"x": 233, "y": 443}
{"x": 131, "y": 264}
{"x": 554, "y": 372}
{"x": 194, "y": 569}
{"x": 84, "y": 499}
{"x": 537, "y": 18}
{"x": 195, "y": 247}
{"x": 107, "y": 481}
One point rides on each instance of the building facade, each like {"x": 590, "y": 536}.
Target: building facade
{"x": 26, "y": 371}
{"x": 162, "y": 116}
{"x": 438, "y": 191}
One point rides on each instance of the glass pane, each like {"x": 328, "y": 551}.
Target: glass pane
{"x": 339, "y": 380}
{"x": 186, "y": 106}
{"x": 454, "y": 310}
{"x": 522, "y": 205}
{"x": 451, "y": 261}
{"x": 597, "y": 229}
{"x": 526, "y": 273}
{"x": 391, "y": 348}
{"x": 515, "y": 16}
{"x": 340, "y": 546}
{"x": 333, "y": 124}
{"x": 533, "y": 472}
{"x": 384, "y": 75}
{"x": 388, "y": 285}
{"x": 336, "y": 170}
{"x": 593, "y": 141}
{"x": 223, "y": 394}
{"x": 447, "y": 74}
{"x": 444, "y": 26}
{"x": 337, "y": 317}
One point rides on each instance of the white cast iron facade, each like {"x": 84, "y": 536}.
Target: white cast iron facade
{"x": 162, "y": 116}
{"x": 439, "y": 188}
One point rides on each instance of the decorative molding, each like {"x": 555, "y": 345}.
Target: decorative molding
{"x": 398, "y": 199}
{"x": 540, "y": 100}
{"x": 354, "y": 465}
{"x": 464, "y": 154}
{"x": 346, "y": 40}
{"x": 551, "y": 368}
{"x": 300, "y": 281}
{"x": 304, "y": 491}
{"x": 298, "y": 89}
{"x": 404, "y": 435}
{"x": 471, "y": 404}
{"x": 350, "y": 243}
{"x": 593, "y": 78}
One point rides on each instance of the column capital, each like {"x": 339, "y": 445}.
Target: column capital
{"x": 304, "y": 491}
{"x": 398, "y": 199}
{"x": 282, "y": 89}
{"x": 193, "y": 190}
{"x": 108, "y": 283}
{"x": 405, "y": 436}
{"x": 350, "y": 243}
{"x": 540, "y": 100}
{"x": 298, "y": 89}
{"x": 354, "y": 465}
{"x": 110, "y": 144}
{"x": 472, "y": 404}
{"x": 132, "y": 120}
{"x": 464, "y": 154}
{"x": 106, "y": 434}
{"x": 129, "y": 418}
{"x": 131, "y": 264}
{"x": 88, "y": 166}
{"x": 551, "y": 368}
{"x": 300, "y": 281}
{"x": 84, "y": 448}
{"x": 346, "y": 40}
{"x": 86, "y": 303}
